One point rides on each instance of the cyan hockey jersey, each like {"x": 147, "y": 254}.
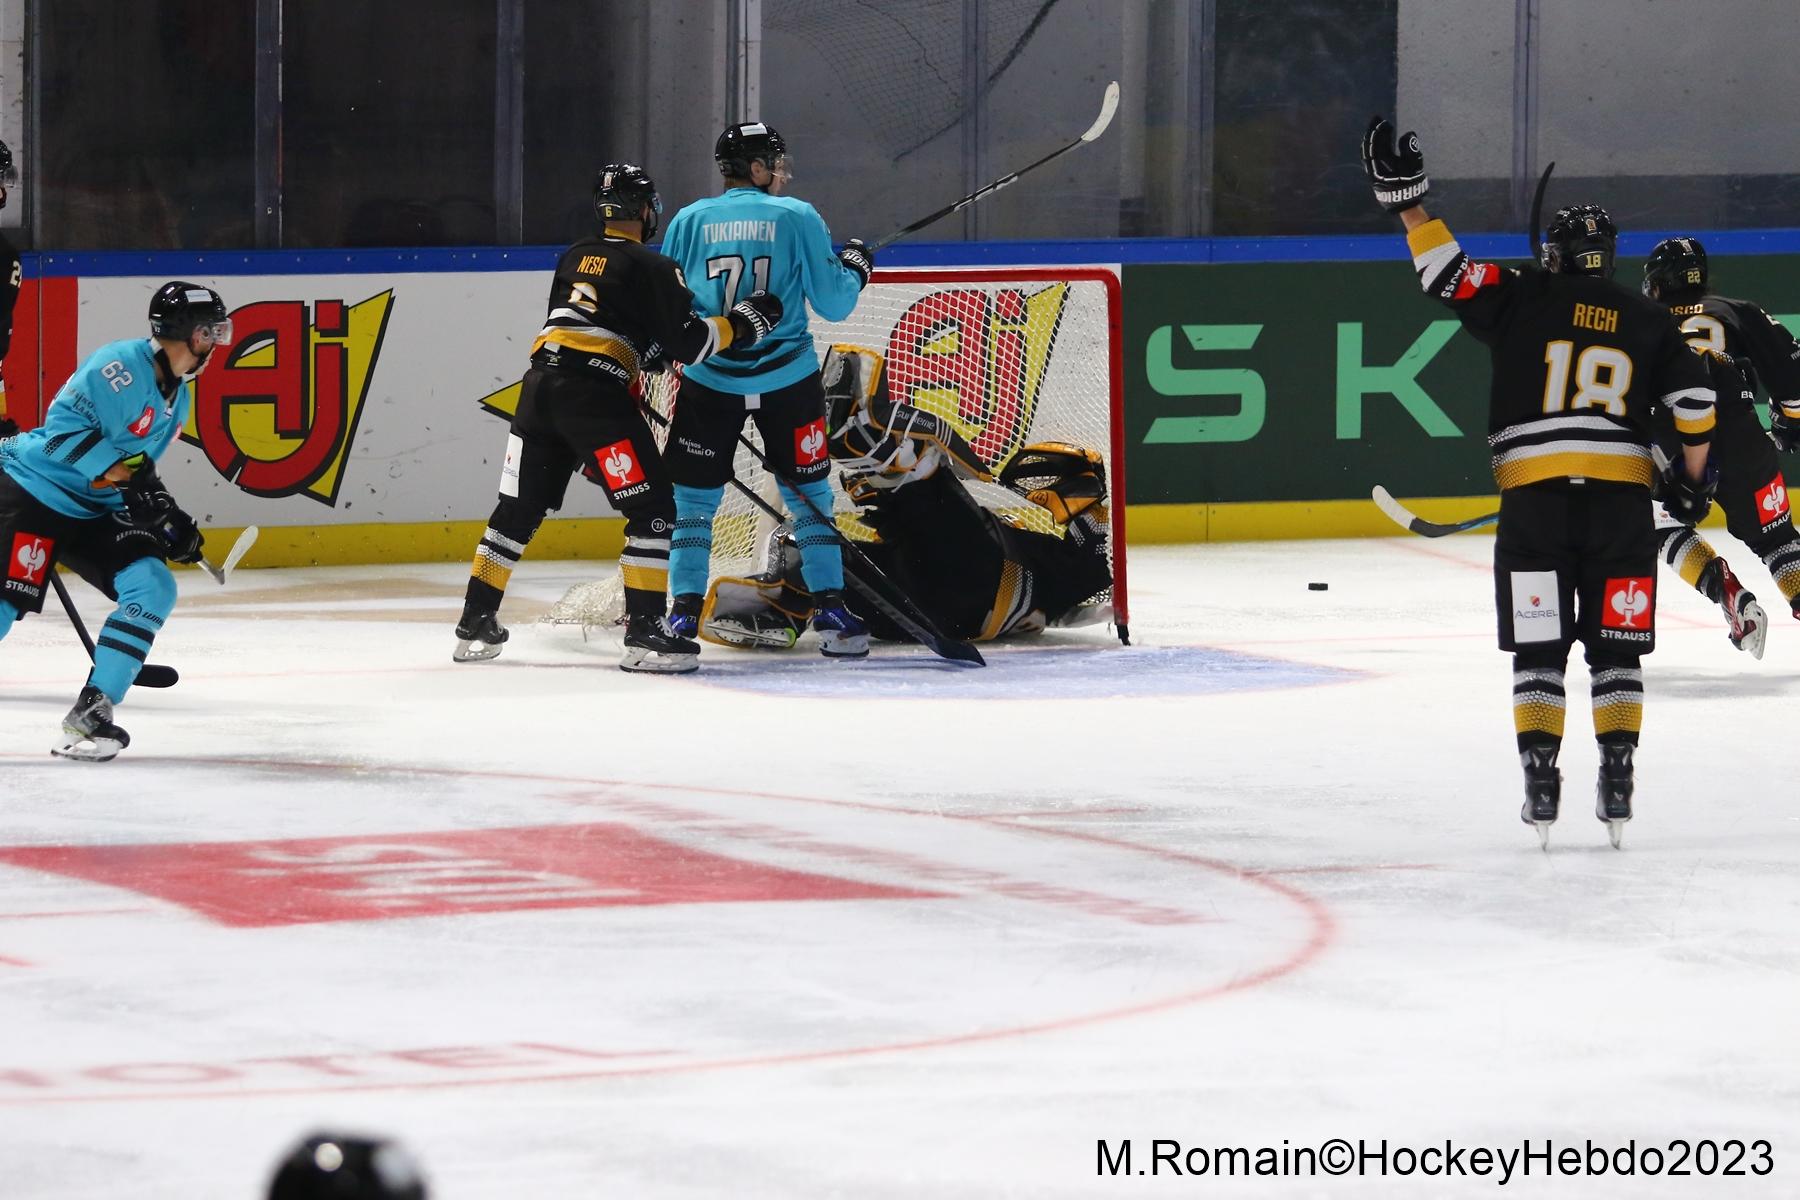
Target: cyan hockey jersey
{"x": 110, "y": 409}
{"x": 747, "y": 241}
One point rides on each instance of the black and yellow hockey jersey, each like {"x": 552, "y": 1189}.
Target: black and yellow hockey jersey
{"x": 1745, "y": 333}
{"x": 1578, "y": 362}
{"x": 618, "y": 307}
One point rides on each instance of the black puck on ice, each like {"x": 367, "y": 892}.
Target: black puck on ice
{"x": 1317, "y": 587}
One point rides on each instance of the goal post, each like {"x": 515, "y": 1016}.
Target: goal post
{"x": 1010, "y": 355}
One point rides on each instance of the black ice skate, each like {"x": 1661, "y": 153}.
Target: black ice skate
{"x": 89, "y": 734}
{"x": 1612, "y": 795}
{"x": 1543, "y": 790}
{"x": 653, "y": 648}
{"x": 684, "y": 614}
{"x": 479, "y": 637}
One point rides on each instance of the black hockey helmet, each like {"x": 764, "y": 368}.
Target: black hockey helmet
{"x": 1676, "y": 265}
{"x": 179, "y": 308}
{"x": 327, "y": 1166}
{"x": 748, "y": 142}
{"x": 621, "y": 191}
{"x": 1581, "y": 240}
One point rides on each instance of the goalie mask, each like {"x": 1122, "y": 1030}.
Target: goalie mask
{"x": 1677, "y": 265}
{"x": 1064, "y": 479}
{"x": 1581, "y": 240}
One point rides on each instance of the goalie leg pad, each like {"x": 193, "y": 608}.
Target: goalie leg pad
{"x": 754, "y": 614}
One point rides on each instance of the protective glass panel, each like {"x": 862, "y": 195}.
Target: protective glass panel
{"x": 147, "y": 139}
{"x": 388, "y": 124}
{"x": 1688, "y": 131}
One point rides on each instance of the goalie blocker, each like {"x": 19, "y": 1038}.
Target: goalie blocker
{"x": 978, "y": 573}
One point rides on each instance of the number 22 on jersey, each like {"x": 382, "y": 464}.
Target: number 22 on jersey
{"x": 1602, "y": 376}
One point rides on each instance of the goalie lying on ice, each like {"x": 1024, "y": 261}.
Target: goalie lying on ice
{"x": 978, "y": 572}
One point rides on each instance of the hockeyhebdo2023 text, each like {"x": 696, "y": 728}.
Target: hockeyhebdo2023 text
{"x": 1674, "y": 1158}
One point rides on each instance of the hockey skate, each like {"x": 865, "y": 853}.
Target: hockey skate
{"x": 841, "y": 632}
{"x": 684, "y": 615}
{"x": 1612, "y": 794}
{"x": 89, "y": 734}
{"x": 1747, "y": 624}
{"x": 1543, "y": 791}
{"x": 653, "y": 648}
{"x": 754, "y": 630}
{"x": 479, "y": 637}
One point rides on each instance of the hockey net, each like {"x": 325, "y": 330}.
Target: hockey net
{"x": 1012, "y": 356}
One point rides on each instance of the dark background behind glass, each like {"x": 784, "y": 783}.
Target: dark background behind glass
{"x": 1238, "y": 118}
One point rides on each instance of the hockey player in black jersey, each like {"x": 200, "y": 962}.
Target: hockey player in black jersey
{"x": 10, "y": 278}
{"x": 1744, "y": 345}
{"x": 1578, "y": 361}
{"x": 616, "y": 309}
{"x": 977, "y": 575}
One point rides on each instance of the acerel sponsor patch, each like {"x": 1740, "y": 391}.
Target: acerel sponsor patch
{"x": 1536, "y": 606}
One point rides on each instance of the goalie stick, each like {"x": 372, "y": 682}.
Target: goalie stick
{"x": 858, "y": 570}
{"x": 1109, "y": 104}
{"x": 1404, "y": 517}
{"x": 149, "y": 675}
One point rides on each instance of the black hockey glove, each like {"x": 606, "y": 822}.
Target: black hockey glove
{"x": 752, "y": 317}
{"x": 1685, "y": 500}
{"x": 1396, "y": 170}
{"x": 8, "y": 427}
{"x": 859, "y": 258}
{"x": 1784, "y": 430}
{"x": 153, "y": 508}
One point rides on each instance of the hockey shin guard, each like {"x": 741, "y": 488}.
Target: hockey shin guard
{"x": 1618, "y": 687}
{"x": 1690, "y": 555}
{"x": 821, "y": 559}
{"x": 146, "y": 598}
{"x": 1783, "y": 561}
{"x": 510, "y": 529}
{"x": 644, "y": 565}
{"x": 1540, "y": 701}
{"x": 690, "y": 554}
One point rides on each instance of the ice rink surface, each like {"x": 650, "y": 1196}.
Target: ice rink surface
{"x": 789, "y": 928}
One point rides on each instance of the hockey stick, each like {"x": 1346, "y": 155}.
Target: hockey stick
{"x": 1109, "y": 104}
{"x": 149, "y": 675}
{"x": 1400, "y": 515}
{"x": 916, "y": 624}
{"x": 1535, "y": 230}
{"x": 239, "y": 548}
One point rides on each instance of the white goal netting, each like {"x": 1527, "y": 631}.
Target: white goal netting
{"x": 1012, "y": 356}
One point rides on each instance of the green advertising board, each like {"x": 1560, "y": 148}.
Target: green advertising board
{"x": 1284, "y": 382}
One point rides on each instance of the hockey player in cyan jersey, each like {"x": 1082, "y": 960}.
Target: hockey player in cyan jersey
{"x": 616, "y": 308}
{"x": 754, "y": 238}
{"x": 1578, "y": 361}
{"x": 82, "y": 489}
{"x": 1745, "y": 345}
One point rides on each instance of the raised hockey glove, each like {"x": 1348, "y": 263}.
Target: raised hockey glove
{"x": 752, "y": 317}
{"x": 1686, "y": 501}
{"x": 1396, "y": 169}
{"x": 859, "y": 258}
{"x": 1784, "y": 430}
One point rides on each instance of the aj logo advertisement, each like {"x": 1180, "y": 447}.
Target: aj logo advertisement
{"x": 279, "y": 415}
